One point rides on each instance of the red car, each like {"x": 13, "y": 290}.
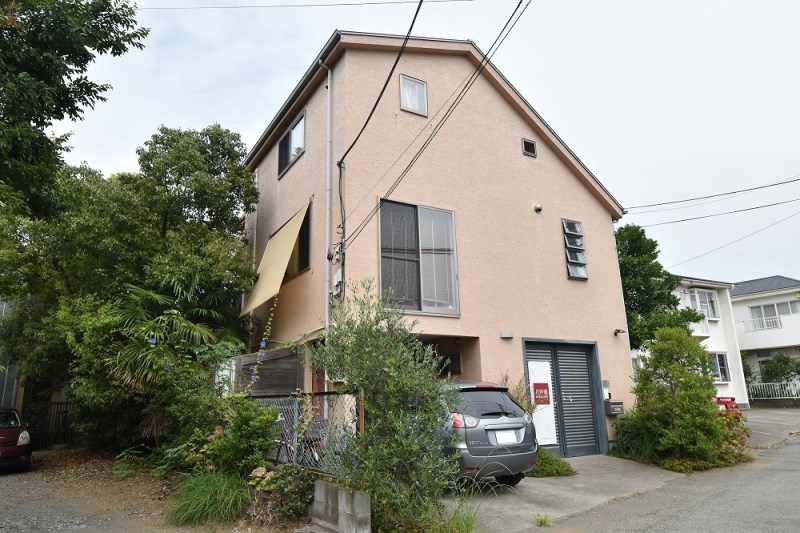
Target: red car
{"x": 15, "y": 440}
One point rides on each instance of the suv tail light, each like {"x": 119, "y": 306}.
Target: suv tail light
{"x": 460, "y": 421}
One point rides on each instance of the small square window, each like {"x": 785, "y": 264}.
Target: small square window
{"x": 291, "y": 145}
{"x": 576, "y": 256}
{"x": 413, "y": 95}
{"x": 529, "y": 147}
{"x": 572, "y": 227}
{"x": 573, "y": 241}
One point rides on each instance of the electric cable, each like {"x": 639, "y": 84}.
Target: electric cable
{"x": 475, "y": 74}
{"x": 720, "y": 214}
{"x": 784, "y": 182}
{"x": 735, "y": 241}
{"x": 276, "y": 6}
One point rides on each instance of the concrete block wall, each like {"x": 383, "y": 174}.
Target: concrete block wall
{"x": 337, "y": 509}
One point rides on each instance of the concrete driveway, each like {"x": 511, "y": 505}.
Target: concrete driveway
{"x": 771, "y": 426}
{"x": 602, "y": 479}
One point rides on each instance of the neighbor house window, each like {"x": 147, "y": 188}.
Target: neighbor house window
{"x": 301, "y": 253}
{"x": 705, "y": 302}
{"x": 576, "y": 253}
{"x": 291, "y": 145}
{"x": 413, "y": 95}
{"x": 719, "y": 368}
{"x": 418, "y": 258}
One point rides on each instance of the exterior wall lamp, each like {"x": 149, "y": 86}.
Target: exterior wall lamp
{"x": 618, "y": 331}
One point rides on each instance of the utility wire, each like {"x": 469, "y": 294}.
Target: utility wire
{"x": 475, "y": 74}
{"x": 386, "y": 84}
{"x": 720, "y": 214}
{"x": 274, "y": 6}
{"x": 734, "y": 242}
{"x": 790, "y": 180}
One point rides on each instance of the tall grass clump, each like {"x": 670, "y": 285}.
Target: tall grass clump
{"x": 209, "y": 497}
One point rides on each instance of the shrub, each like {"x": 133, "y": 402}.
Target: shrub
{"x": 286, "y": 493}
{"x": 398, "y": 459}
{"x": 551, "y": 465}
{"x": 207, "y": 498}
{"x": 675, "y": 423}
{"x": 779, "y": 368}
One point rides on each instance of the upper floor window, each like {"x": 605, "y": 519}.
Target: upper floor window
{"x": 719, "y": 368}
{"x": 576, "y": 253}
{"x": 291, "y": 145}
{"x": 418, "y": 258}
{"x": 705, "y": 302}
{"x": 413, "y": 95}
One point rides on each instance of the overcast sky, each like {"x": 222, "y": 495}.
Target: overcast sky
{"x": 662, "y": 100}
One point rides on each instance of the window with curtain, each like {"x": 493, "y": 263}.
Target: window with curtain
{"x": 413, "y": 95}
{"x": 418, "y": 258}
{"x": 292, "y": 145}
{"x": 705, "y": 302}
{"x": 719, "y": 368}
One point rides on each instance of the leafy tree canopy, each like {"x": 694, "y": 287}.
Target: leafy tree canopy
{"x": 779, "y": 368}
{"x": 648, "y": 288}
{"x": 46, "y": 48}
{"x": 157, "y": 254}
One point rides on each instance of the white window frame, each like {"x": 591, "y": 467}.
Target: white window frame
{"x": 716, "y": 368}
{"x": 453, "y": 309}
{"x": 707, "y": 307}
{"x": 405, "y": 104}
{"x": 575, "y": 249}
{"x": 291, "y": 133}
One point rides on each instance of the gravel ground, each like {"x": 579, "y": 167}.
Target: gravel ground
{"x": 76, "y": 490}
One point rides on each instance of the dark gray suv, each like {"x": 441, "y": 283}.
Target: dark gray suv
{"x": 492, "y": 432}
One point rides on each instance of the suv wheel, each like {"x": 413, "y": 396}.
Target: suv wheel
{"x": 510, "y": 480}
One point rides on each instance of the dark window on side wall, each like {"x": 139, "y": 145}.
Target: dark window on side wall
{"x": 529, "y": 147}
{"x": 301, "y": 253}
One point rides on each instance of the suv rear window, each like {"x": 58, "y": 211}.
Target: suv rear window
{"x": 488, "y": 404}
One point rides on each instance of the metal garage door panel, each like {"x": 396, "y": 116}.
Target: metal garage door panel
{"x": 576, "y": 402}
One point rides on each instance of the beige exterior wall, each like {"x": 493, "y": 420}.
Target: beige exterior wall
{"x": 510, "y": 259}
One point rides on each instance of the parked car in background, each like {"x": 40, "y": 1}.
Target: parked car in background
{"x": 16, "y": 448}
{"x": 492, "y": 432}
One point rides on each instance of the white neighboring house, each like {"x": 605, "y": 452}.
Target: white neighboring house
{"x": 717, "y": 333}
{"x": 767, "y": 315}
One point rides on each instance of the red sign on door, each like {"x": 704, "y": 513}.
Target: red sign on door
{"x": 541, "y": 393}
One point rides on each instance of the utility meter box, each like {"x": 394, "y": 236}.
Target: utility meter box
{"x": 614, "y": 407}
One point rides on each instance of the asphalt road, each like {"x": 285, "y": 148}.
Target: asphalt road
{"x": 761, "y": 496}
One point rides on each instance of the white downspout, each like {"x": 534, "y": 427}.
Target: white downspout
{"x": 328, "y": 164}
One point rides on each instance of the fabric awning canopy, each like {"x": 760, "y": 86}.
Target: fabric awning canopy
{"x": 274, "y": 262}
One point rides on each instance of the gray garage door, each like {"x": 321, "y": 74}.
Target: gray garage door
{"x": 576, "y": 417}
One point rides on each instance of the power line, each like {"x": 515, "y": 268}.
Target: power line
{"x": 386, "y": 84}
{"x": 790, "y": 180}
{"x": 734, "y": 242}
{"x": 720, "y": 214}
{"x": 275, "y": 6}
{"x": 475, "y": 74}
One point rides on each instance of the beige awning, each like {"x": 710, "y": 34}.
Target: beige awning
{"x": 274, "y": 262}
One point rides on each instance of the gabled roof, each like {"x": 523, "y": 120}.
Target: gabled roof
{"x": 340, "y": 41}
{"x": 772, "y": 283}
{"x": 704, "y": 283}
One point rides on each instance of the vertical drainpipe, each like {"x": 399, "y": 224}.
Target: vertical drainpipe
{"x": 328, "y": 164}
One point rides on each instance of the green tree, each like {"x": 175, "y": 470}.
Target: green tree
{"x": 176, "y": 229}
{"x": 675, "y": 422}
{"x": 46, "y": 48}
{"x": 779, "y": 368}
{"x": 648, "y": 288}
{"x": 398, "y": 459}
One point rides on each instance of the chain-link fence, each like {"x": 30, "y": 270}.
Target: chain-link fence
{"x": 315, "y": 428}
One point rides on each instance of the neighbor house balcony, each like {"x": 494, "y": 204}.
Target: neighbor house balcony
{"x": 769, "y": 332}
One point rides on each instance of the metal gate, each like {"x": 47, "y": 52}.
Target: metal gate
{"x": 573, "y": 410}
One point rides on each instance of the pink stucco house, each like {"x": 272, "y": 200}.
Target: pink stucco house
{"x": 498, "y": 241}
